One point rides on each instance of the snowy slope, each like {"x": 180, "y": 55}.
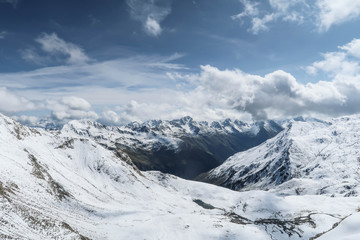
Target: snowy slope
{"x": 310, "y": 157}
{"x": 182, "y": 147}
{"x": 65, "y": 187}
{"x": 348, "y": 229}
{"x": 162, "y": 133}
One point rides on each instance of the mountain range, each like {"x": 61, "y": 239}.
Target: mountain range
{"x": 182, "y": 147}
{"x": 78, "y": 184}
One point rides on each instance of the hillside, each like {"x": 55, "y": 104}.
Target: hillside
{"x": 308, "y": 157}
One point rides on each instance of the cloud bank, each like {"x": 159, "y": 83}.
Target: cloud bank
{"x": 153, "y": 87}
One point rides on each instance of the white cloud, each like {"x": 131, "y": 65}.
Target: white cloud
{"x": 250, "y": 10}
{"x": 91, "y": 80}
{"x": 340, "y": 63}
{"x": 277, "y": 94}
{"x": 56, "y": 48}
{"x": 110, "y": 117}
{"x": 70, "y": 108}
{"x": 73, "y": 114}
{"x": 192, "y": 104}
{"x": 322, "y": 13}
{"x": 150, "y": 13}
{"x": 115, "y": 82}
{"x": 52, "y": 44}
{"x": 64, "y": 108}
{"x": 284, "y": 5}
{"x": 28, "y": 120}
{"x": 152, "y": 87}
{"x": 279, "y": 9}
{"x": 11, "y": 103}
{"x": 75, "y": 103}
{"x": 152, "y": 27}
{"x": 336, "y": 12}
{"x": 352, "y": 48}
{"x": 260, "y": 24}
{"x": 31, "y": 55}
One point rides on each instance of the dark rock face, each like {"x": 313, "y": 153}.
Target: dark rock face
{"x": 197, "y": 153}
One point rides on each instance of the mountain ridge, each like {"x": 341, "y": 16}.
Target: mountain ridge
{"x": 307, "y": 157}
{"x": 182, "y": 147}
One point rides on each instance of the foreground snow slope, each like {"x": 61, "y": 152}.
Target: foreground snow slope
{"x": 58, "y": 187}
{"x": 311, "y": 157}
{"x": 348, "y": 229}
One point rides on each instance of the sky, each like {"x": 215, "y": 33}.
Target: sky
{"x": 135, "y": 60}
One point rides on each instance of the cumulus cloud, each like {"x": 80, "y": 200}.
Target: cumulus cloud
{"x": 75, "y": 103}
{"x": 28, "y": 120}
{"x": 110, "y": 117}
{"x": 11, "y": 103}
{"x": 71, "y": 107}
{"x": 336, "y": 12}
{"x": 339, "y": 63}
{"x": 150, "y": 13}
{"x": 61, "y": 109}
{"x": 352, "y": 48}
{"x": 322, "y": 13}
{"x": 64, "y": 108}
{"x": 277, "y": 94}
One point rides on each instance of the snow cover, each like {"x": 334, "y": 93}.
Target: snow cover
{"x": 159, "y": 133}
{"x": 58, "y": 186}
{"x": 308, "y": 157}
{"x": 347, "y": 229}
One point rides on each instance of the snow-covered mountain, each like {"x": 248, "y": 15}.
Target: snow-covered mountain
{"x": 54, "y": 186}
{"x": 308, "y": 157}
{"x": 182, "y": 147}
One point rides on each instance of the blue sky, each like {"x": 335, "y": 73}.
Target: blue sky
{"x": 133, "y": 60}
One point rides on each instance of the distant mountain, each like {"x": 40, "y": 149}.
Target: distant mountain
{"x": 182, "y": 147}
{"x": 63, "y": 186}
{"x": 308, "y": 157}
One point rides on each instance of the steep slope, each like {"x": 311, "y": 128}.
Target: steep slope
{"x": 311, "y": 157}
{"x": 181, "y": 147}
{"x": 61, "y": 187}
{"x": 348, "y": 229}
